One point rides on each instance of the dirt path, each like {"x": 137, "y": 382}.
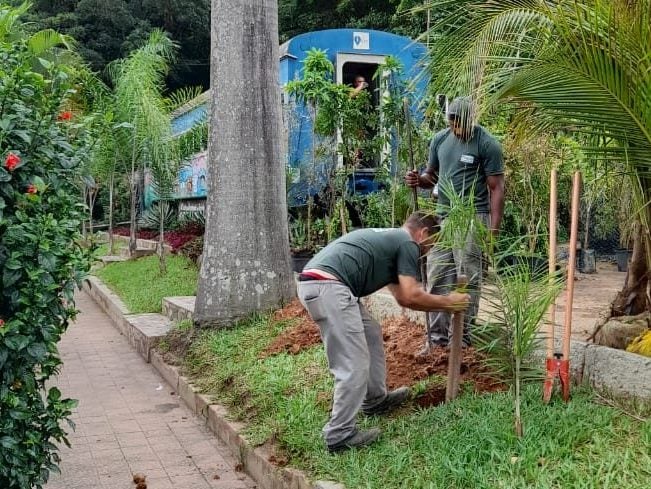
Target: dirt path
{"x": 593, "y": 294}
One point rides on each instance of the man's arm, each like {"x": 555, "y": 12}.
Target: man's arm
{"x": 429, "y": 177}
{"x": 496, "y": 190}
{"x": 409, "y": 293}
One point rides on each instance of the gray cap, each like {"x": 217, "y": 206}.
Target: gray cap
{"x": 462, "y": 107}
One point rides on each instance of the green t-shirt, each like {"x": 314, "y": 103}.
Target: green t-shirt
{"x": 465, "y": 165}
{"x": 368, "y": 259}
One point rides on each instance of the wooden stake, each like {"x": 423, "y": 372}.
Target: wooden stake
{"x": 454, "y": 360}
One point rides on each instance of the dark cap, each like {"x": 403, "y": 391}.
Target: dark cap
{"x": 462, "y": 107}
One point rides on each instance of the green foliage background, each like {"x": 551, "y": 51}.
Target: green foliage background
{"x": 109, "y": 29}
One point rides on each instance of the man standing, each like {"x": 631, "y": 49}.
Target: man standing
{"x": 467, "y": 160}
{"x": 330, "y": 286}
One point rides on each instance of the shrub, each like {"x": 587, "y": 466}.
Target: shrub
{"x": 41, "y": 259}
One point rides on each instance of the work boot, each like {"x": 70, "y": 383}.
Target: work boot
{"x": 393, "y": 400}
{"x": 357, "y": 439}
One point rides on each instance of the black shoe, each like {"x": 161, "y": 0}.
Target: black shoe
{"x": 358, "y": 439}
{"x": 393, "y": 400}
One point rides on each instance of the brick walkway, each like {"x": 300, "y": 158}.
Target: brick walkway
{"x": 129, "y": 420}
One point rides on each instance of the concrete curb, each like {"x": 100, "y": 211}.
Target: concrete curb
{"x": 141, "y": 330}
{"x": 255, "y": 460}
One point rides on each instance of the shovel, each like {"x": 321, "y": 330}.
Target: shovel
{"x": 454, "y": 360}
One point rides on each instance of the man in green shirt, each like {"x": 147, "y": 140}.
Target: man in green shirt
{"x": 467, "y": 160}
{"x": 330, "y": 286}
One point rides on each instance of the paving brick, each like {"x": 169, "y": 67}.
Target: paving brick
{"x": 127, "y": 420}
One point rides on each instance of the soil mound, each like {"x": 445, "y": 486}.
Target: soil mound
{"x": 403, "y": 340}
{"x": 304, "y": 333}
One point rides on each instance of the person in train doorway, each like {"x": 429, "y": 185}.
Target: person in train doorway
{"x": 353, "y": 266}
{"x": 359, "y": 85}
{"x": 465, "y": 159}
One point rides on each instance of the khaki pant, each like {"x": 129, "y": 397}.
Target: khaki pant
{"x": 443, "y": 266}
{"x": 355, "y": 350}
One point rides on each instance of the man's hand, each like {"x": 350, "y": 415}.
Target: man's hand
{"x": 457, "y": 302}
{"x": 412, "y": 179}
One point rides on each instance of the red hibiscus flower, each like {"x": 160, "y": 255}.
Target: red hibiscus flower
{"x": 11, "y": 162}
{"x": 2, "y": 323}
{"x": 65, "y": 116}
{"x": 31, "y": 189}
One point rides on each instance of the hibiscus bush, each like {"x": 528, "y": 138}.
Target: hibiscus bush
{"x": 41, "y": 258}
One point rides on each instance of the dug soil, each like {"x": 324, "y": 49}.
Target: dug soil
{"x": 403, "y": 340}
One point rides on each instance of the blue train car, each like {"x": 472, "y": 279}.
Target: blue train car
{"x": 353, "y": 52}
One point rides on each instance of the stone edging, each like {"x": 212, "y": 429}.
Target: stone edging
{"x": 254, "y": 460}
{"x": 148, "y": 244}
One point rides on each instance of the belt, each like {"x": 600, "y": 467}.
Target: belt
{"x": 307, "y": 276}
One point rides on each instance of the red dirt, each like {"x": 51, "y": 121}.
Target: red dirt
{"x": 303, "y": 335}
{"x": 403, "y": 339}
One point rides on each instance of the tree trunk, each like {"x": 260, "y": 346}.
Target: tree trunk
{"x": 635, "y": 298}
{"x": 110, "y": 215}
{"x": 132, "y": 204}
{"x": 160, "y": 247}
{"x": 246, "y": 262}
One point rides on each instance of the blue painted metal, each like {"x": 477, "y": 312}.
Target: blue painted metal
{"x": 186, "y": 121}
{"x": 336, "y": 42}
{"x": 359, "y": 42}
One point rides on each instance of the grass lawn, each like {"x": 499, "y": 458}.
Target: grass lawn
{"x": 141, "y": 286}
{"x": 467, "y": 444}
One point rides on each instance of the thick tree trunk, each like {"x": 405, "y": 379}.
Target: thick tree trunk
{"x": 246, "y": 263}
{"x": 635, "y": 298}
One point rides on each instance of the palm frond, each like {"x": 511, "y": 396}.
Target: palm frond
{"x": 48, "y": 39}
{"x": 139, "y": 82}
{"x": 182, "y": 97}
{"x": 584, "y": 65}
{"x": 9, "y": 20}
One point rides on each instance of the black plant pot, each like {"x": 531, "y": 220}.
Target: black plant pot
{"x": 588, "y": 262}
{"x": 622, "y": 256}
{"x": 300, "y": 259}
{"x": 537, "y": 265}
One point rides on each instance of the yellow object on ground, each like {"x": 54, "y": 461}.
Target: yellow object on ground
{"x": 641, "y": 344}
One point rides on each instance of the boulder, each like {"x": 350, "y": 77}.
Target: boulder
{"x": 620, "y": 331}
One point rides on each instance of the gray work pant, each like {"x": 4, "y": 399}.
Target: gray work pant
{"x": 443, "y": 266}
{"x": 355, "y": 350}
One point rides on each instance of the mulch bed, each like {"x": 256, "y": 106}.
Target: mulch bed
{"x": 403, "y": 340}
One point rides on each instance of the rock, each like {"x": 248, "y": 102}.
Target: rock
{"x": 620, "y": 331}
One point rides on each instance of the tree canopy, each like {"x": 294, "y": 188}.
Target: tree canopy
{"x": 110, "y": 29}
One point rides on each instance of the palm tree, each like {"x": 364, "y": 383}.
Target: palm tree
{"x": 141, "y": 107}
{"x": 246, "y": 264}
{"x": 580, "y": 65}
